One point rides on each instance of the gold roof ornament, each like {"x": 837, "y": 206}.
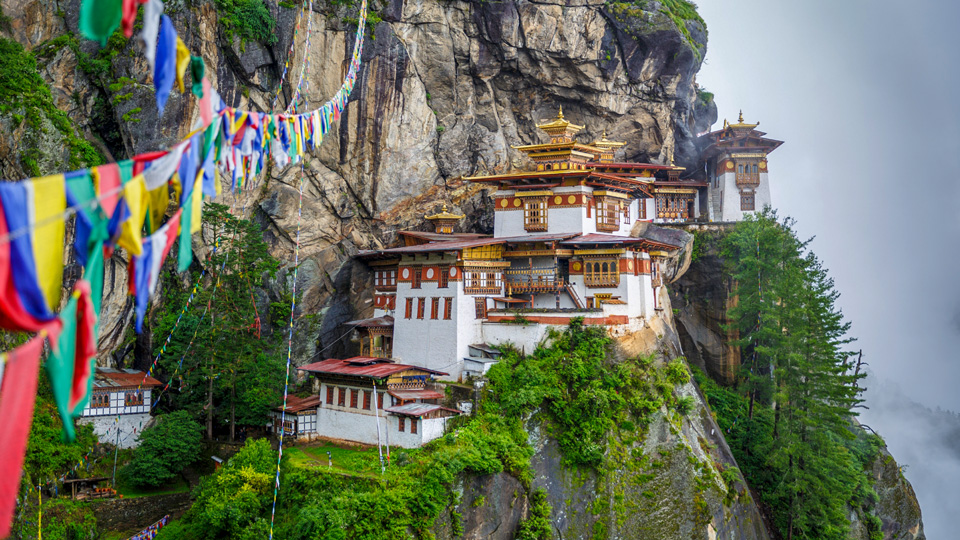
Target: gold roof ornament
{"x": 560, "y": 128}
{"x": 604, "y": 143}
{"x": 444, "y": 215}
{"x": 740, "y": 123}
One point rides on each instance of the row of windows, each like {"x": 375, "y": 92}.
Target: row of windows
{"x": 130, "y": 399}
{"x": 535, "y": 213}
{"x": 442, "y": 279}
{"x": 413, "y": 424}
{"x": 482, "y": 281}
{"x": 434, "y": 308}
{"x": 386, "y": 278}
{"x": 341, "y": 397}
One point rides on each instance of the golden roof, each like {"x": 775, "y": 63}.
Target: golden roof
{"x": 740, "y": 123}
{"x": 604, "y": 142}
{"x": 444, "y": 215}
{"x": 560, "y": 124}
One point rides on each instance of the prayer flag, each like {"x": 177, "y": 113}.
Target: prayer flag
{"x": 136, "y": 203}
{"x": 183, "y": 61}
{"x": 17, "y": 208}
{"x": 49, "y": 200}
{"x": 13, "y": 314}
{"x": 151, "y": 27}
{"x": 129, "y": 16}
{"x": 197, "y": 67}
{"x": 18, "y": 393}
{"x": 206, "y": 114}
{"x": 99, "y": 18}
{"x": 166, "y": 61}
{"x": 69, "y": 365}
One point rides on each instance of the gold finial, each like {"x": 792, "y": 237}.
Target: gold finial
{"x": 560, "y": 115}
{"x": 741, "y": 116}
{"x": 444, "y": 208}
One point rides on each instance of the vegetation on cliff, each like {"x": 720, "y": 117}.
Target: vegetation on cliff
{"x": 26, "y": 98}
{"x": 789, "y": 420}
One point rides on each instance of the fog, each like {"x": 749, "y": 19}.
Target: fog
{"x": 866, "y": 96}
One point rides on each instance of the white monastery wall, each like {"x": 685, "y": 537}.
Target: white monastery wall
{"x": 131, "y": 425}
{"x": 763, "y": 196}
{"x": 355, "y": 425}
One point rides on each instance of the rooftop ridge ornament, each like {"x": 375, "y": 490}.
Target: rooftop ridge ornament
{"x": 560, "y": 129}
{"x": 444, "y": 221}
{"x": 740, "y": 123}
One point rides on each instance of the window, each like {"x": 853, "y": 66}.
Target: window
{"x": 740, "y": 169}
{"x": 642, "y": 205}
{"x": 443, "y": 277}
{"x": 747, "y": 201}
{"x": 608, "y": 213}
{"x": 481, "y": 306}
{"x": 366, "y": 400}
{"x": 100, "y": 400}
{"x": 413, "y": 425}
{"x": 479, "y": 280}
{"x": 386, "y": 279}
{"x": 601, "y": 273}
{"x": 353, "y": 398}
{"x": 402, "y": 422}
{"x": 447, "y": 308}
{"x": 409, "y": 309}
{"x": 434, "y": 308}
{"x": 421, "y": 305}
{"x": 535, "y": 213}
{"x": 417, "y": 277}
{"x": 342, "y": 397}
{"x": 379, "y": 400}
{"x": 131, "y": 399}
{"x": 625, "y": 210}
{"x": 754, "y": 168}
{"x": 329, "y": 395}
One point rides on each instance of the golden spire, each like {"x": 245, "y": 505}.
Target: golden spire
{"x": 741, "y": 116}
{"x": 740, "y": 123}
{"x": 444, "y": 215}
{"x": 560, "y": 114}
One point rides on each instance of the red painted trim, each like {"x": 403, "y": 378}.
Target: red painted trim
{"x": 547, "y": 319}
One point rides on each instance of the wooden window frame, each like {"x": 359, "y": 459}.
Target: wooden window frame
{"x": 330, "y": 393}
{"x": 409, "y": 308}
{"x": 748, "y": 202}
{"x": 625, "y": 211}
{"x": 354, "y": 398}
{"x": 401, "y": 423}
{"x": 608, "y": 213}
{"x": 435, "y": 308}
{"x": 641, "y": 209}
{"x": 366, "y": 400}
{"x": 380, "y": 401}
{"x": 480, "y": 280}
{"x": 480, "y": 307}
{"x": 447, "y": 308}
{"x": 421, "y": 307}
{"x": 443, "y": 278}
{"x": 341, "y": 396}
{"x": 413, "y": 426}
{"x": 133, "y": 398}
{"x": 601, "y": 272}
{"x": 416, "y": 281}
{"x": 535, "y": 214}
{"x": 100, "y": 401}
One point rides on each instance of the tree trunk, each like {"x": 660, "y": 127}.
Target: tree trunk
{"x": 210, "y": 405}
{"x": 233, "y": 406}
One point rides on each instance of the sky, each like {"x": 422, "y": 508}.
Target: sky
{"x": 866, "y": 96}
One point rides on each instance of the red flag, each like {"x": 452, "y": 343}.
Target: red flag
{"x": 16, "y": 408}
{"x": 13, "y": 316}
{"x": 86, "y": 348}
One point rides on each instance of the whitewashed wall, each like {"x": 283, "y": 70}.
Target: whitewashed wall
{"x": 130, "y": 426}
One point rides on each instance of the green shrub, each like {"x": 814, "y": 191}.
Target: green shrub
{"x": 247, "y": 20}
{"x": 165, "y": 450}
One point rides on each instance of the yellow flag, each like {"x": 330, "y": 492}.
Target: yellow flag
{"x": 158, "y": 199}
{"x": 49, "y": 203}
{"x": 135, "y": 195}
{"x": 197, "y": 202}
{"x": 183, "y": 61}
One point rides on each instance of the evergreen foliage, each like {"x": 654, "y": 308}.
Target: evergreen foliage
{"x": 791, "y": 419}
{"x": 231, "y": 369}
{"x": 166, "y": 448}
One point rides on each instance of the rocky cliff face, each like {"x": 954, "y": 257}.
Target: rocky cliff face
{"x": 445, "y": 89}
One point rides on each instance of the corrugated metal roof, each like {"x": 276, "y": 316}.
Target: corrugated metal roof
{"x": 386, "y": 320}
{"x": 600, "y": 238}
{"x": 418, "y": 409}
{"x": 457, "y": 245}
{"x": 122, "y": 378}
{"x": 362, "y": 366}
{"x": 485, "y": 348}
{"x": 442, "y": 237}
{"x": 297, "y": 404}
{"x": 416, "y": 394}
